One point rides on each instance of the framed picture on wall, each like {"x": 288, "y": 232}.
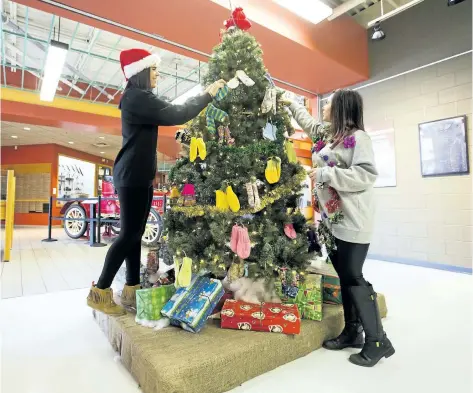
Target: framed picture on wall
{"x": 444, "y": 147}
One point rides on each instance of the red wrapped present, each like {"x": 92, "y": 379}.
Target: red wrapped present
{"x": 264, "y": 317}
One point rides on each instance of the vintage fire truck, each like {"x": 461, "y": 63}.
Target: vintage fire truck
{"x": 110, "y": 210}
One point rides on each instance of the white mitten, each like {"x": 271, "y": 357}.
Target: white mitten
{"x": 247, "y": 81}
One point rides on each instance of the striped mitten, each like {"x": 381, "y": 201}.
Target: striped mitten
{"x": 214, "y": 114}
{"x": 222, "y": 93}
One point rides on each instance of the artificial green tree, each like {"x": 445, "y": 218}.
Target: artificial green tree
{"x": 202, "y": 232}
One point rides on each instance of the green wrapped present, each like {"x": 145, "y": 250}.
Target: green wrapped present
{"x": 149, "y": 302}
{"x": 306, "y": 292}
{"x": 332, "y": 293}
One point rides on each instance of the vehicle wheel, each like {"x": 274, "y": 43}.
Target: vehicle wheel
{"x": 75, "y": 229}
{"x": 115, "y": 227}
{"x": 153, "y": 229}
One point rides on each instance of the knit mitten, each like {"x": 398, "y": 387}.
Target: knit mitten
{"x": 228, "y": 136}
{"x": 212, "y": 115}
{"x": 290, "y": 152}
{"x": 232, "y": 199}
{"x": 221, "y": 93}
{"x": 251, "y": 194}
{"x": 233, "y": 83}
{"x": 244, "y": 244}
{"x": 185, "y": 273}
{"x": 221, "y": 134}
{"x": 235, "y": 236}
{"x": 269, "y": 132}
{"x": 289, "y": 231}
{"x": 256, "y": 195}
{"x": 201, "y": 148}
{"x": 193, "y": 149}
{"x": 221, "y": 202}
{"x": 247, "y": 81}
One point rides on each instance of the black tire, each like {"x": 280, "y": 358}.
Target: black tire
{"x": 153, "y": 231}
{"x": 75, "y": 229}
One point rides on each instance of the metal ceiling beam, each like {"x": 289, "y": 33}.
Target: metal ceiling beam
{"x": 37, "y": 73}
{"x": 3, "y": 46}
{"x": 344, "y": 8}
{"x": 108, "y": 83}
{"x": 41, "y": 46}
{"x": 25, "y": 39}
{"x": 103, "y": 64}
{"x": 188, "y": 75}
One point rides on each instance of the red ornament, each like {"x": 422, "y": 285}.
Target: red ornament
{"x": 238, "y": 19}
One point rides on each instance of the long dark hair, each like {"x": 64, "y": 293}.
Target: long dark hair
{"x": 142, "y": 80}
{"x": 346, "y": 114}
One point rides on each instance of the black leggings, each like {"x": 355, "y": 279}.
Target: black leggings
{"x": 135, "y": 204}
{"x": 348, "y": 262}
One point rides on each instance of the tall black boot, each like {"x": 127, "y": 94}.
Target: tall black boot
{"x": 352, "y": 334}
{"x": 377, "y": 345}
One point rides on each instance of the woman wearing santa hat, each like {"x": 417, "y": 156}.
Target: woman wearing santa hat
{"x": 142, "y": 112}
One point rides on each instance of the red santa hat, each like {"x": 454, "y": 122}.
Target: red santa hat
{"x": 134, "y": 61}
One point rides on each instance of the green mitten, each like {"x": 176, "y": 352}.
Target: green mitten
{"x": 214, "y": 114}
{"x": 222, "y": 93}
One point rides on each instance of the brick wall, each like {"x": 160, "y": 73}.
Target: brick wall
{"x": 423, "y": 219}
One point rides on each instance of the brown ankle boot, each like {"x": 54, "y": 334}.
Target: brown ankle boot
{"x": 128, "y": 298}
{"x": 102, "y": 300}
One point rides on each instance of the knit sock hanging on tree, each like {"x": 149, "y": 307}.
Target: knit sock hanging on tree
{"x": 250, "y": 181}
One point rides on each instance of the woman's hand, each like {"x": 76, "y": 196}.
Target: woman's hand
{"x": 313, "y": 174}
{"x": 214, "y": 87}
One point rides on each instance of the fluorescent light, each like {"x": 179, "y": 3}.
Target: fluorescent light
{"x": 394, "y": 12}
{"x": 101, "y": 137}
{"x": 102, "y": 152}
{"x": 27, "y": 128}
{"x": 195, "y": 91}
{"x": 312, "y": 10}
{"x": 55, "y": 60}
{"x": 14, "y": 137}
{"x": 71, "y": 143}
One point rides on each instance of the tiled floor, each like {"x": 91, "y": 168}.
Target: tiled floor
{"x": 37, "y": 267}
{"x": 53, "y": 339}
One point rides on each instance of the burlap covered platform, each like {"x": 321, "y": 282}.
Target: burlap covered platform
{"x": 215, "y": 360}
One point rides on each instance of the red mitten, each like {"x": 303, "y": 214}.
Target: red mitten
{"x": 234, "y": 238}
{"x": 290, "y": 231}
{"x": 244, "y": 244}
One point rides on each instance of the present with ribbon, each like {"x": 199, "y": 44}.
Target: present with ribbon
{"x": 263, "y": 317}
{"x": 306, "y": 292}
{"x": 331, "y": 283}
{"x": 150, "y": 302}
{"x": 190, "y": 307}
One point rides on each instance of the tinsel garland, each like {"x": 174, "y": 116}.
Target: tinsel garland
{"x": 266, "y": 200}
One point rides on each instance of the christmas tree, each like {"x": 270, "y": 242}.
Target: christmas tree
{"x": 243, "y": 171}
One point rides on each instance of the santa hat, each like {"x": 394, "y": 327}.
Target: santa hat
{"x": 134, "y": 61}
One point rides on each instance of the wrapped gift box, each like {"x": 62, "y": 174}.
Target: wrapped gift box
{"x": 331, "y": 283}
{"x": 305, "y": 291}
{"x": 190, "y": 307}
{"x": 149, "y": 302}
{"x": 264, "y": 317}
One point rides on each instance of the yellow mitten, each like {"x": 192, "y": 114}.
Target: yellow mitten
{"x": 185, "y": 273}
{"x": 232, "y": 199}
{"x": 221, "y": 202}
{"x": 201, "y": 148}
{"x": 175, "y": 193}
{"x": 193, "y": 149}
{"x": 277, "y": 165}
{"x": 291, "y": 153}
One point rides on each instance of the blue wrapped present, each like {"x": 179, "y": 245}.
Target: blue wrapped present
{"x": 190, "y": 307}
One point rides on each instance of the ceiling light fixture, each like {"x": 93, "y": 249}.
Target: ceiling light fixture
{"x": 454, "y": 2}
{"x": 312, "y": 10}
{"x": 378, "y": 34}
{"x": 71, "y": 143}
{"x": 55, "y": 60}
{"x": 14, "y": 137}
{"x": 27, "y": 128}
{"x": 393, "y": 12}
{"x": 195, "y": 91}
{"x": 101, "y": 137}
{"x": 102, "y": 152}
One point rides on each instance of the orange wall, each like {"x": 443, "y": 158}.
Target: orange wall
{"x": 42, "y": 154}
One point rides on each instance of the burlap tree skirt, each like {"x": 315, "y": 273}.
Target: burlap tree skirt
{"x": 214, "y": 360}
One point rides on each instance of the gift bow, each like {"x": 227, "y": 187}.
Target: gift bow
{"x": 238, "y": 19}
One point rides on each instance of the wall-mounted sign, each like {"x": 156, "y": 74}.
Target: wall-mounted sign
{"x": 385, "y": 157}
{"x": 76, "y": 178}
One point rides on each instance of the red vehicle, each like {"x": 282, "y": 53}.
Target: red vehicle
{"x": 110, "y": 210}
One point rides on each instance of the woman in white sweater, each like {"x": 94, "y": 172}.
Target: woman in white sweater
{"x": 344, "y": 174}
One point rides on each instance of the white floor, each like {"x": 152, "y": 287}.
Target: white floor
{"x": 51, "y": 344}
